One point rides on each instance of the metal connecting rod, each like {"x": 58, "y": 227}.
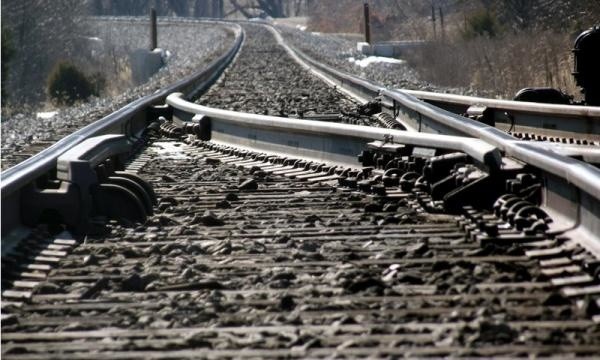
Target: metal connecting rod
{"x": 335, "y": 137}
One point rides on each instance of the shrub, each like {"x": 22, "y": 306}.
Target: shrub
{"x": 481, "y": 24}
{"x": 66, "y": 84}
{"x": 98, "y": 82}
{"x": 499, "y": 66}
{"x": 8, "y": 51}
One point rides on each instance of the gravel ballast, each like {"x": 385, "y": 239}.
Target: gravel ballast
{"x": 265, "y": 80}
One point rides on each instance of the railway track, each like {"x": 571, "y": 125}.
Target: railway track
{"x": 261, "y": 236}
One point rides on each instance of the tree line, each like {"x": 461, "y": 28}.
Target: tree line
{"x": 202, "y": 8}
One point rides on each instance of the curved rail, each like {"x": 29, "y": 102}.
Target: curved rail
{"x": 549, "y": 119}
{"x": 509, "y": 105}
{"x": 285, "y": 128}
{"x": 130, "y": 120}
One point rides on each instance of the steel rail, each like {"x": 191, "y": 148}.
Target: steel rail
{"x": 130, "y": 120}
{"x": 444, "y": 121}
{"x": 529, "y": 107}
{"x": 551, "y": 119}
{"x": 482, "y": 131}
{"x": 589, "y": 154}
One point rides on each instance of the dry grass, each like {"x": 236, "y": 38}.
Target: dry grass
{"x": 499, "y": 66}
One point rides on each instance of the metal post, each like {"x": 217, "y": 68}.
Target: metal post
{"x": 217, "y": 9}
{"x": 433, "y": 20}
{"x": 153, "y": 36}
{"x": 367, "y": 23}
{"x": 442, "y": 22}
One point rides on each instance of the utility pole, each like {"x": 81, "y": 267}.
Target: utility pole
{"x": 217, "y": 9}
{"x": 433, "y": 20}
{"x": 442, "y": 23}
{"x": 153, "y": 34}
{"x": 367, "y": 23}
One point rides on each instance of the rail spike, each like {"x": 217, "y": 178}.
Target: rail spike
{"x": 88, "y": 184}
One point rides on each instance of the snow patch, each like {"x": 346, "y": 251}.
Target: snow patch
{"x": 46, "y": 114}
{"x": 169, "y": 150}
{"x": 373, "y": 60}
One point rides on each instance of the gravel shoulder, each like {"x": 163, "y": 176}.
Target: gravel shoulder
{"x": 339, "y": 52}
{"x": 192, "y": 45}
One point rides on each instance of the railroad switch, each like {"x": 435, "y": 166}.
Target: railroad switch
{"x": 444, "y": 181}
{"x": 370, "y": 108}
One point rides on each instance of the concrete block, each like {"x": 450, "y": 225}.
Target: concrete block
{"x": 364, "y": 48}
{"x": 385, "y": 50}
{"x": 392, "y": 49}
{"x": 145, "y": 63}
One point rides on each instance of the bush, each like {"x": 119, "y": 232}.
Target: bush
{"x": 8, "y": 52}
{"x": 481, "y": 24}
{"x": 98, "y": 82}
{"x": 499, "y": 66}
{"x": 66, "y": 84}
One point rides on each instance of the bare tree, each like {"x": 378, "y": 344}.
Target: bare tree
{"x": 253, "y": 8}
{"x": 202, "y": 8}
{"x": 549, "y": 14}
{"x": 243, "y": 9}
{"x": 179, "y": 7}
{"x": 273, "y": 8}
